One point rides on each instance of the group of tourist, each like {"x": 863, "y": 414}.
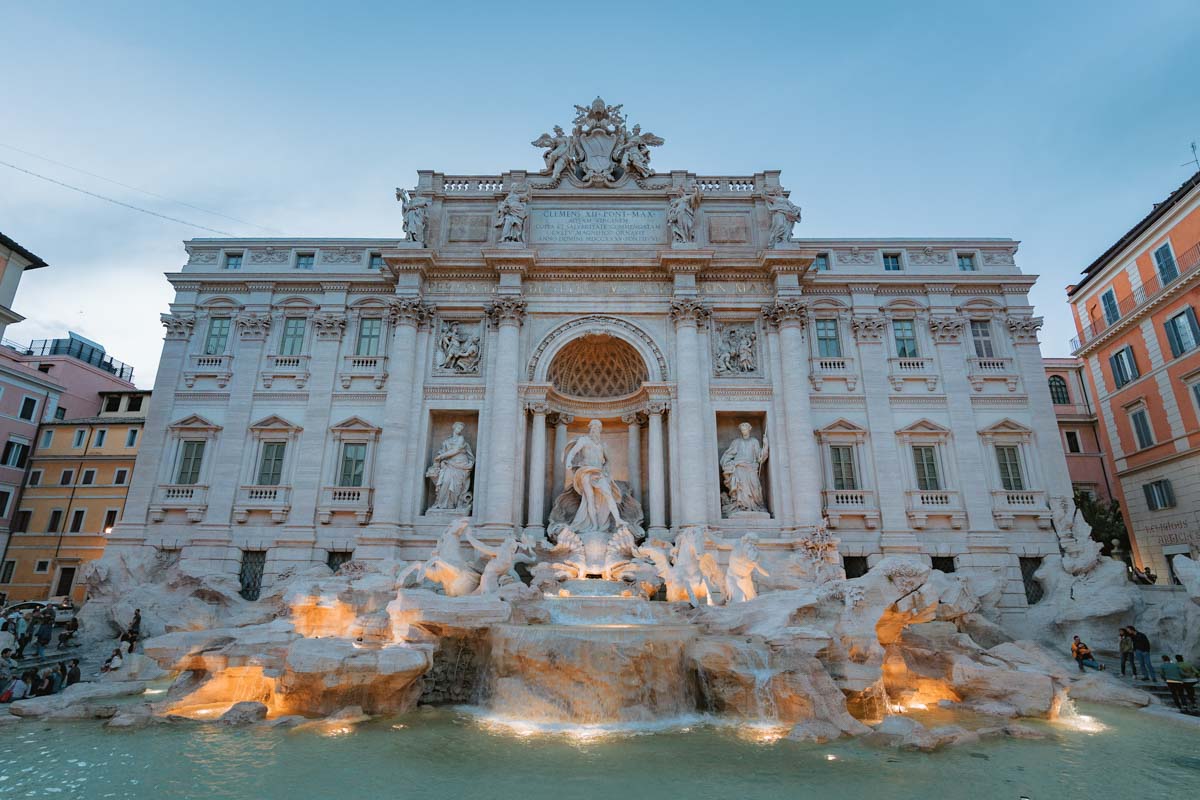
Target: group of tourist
{"x": 18, "y": 685}
{"x": 1179, "y": 675}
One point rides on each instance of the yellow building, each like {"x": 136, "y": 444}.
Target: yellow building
{"x": 74, "y": 492}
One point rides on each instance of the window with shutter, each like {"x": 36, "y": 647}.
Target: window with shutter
{"x": 1109, "y": 301}
{"x": 1183, "y": 333}
{"x": 1165, "y": 261}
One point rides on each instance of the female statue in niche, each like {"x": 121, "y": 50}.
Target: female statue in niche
{"x": 451, "y": 472}
{"x": 740, "y": 466}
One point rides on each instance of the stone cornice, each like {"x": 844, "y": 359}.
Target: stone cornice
{"x": 510, "y": 259}
{"x": 685, "y": 260}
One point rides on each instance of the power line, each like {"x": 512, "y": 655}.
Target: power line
{"x": 138, "y": 189}
{"x": 114, "y": 201}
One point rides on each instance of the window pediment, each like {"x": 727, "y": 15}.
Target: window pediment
{"x": 355, "y": 428}
{"x": 923, "y": 429}
{"x": 274, "y": 424}
{"x": 842, "y": 430}
{"x": 194, "y": 423}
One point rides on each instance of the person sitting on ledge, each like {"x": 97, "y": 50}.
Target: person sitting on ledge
{"x": 68, "y": 633}
{"x": 113, "y": 662}
{"x": 1083, "y": 656}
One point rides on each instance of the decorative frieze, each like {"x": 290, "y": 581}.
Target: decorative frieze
{"x": 252, "y": 326}
{"x": 329, "y": 325}
{"x": 946, "y": 329}
{"x": 1024, "y": 330}
{"x": 203, "y": 257}
{"x": 270, "y": 255}
{"x": 855, "y": 256}
{"x": 928, "y": 257}
{"x": 341, "y": 255}
{"x": 998, "y": 258}
{"x": 868, "y": 327}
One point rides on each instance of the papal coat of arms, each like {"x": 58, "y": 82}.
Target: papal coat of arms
{"x": 600, "y": 150}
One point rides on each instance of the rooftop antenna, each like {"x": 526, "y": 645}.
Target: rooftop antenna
{"x": 1195, "y": 158}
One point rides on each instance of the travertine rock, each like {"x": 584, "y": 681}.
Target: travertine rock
{"x": 321, "y": 676}
{"x": 1097, "y": 688}
{"x": 244, "y": 713}
{"x": 79, "y": 694}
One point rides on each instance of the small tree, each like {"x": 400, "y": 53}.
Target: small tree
{"x": 1106, "y": 521}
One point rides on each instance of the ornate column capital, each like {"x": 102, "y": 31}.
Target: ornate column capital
{"x": 786, "y": 313}
{"x": 562, "y": 418}
{"x": 688, "y": 311}
{"x": 537, "y": 407}
{"x": 657, "y": 408}
{"x": 946, "y": 329}
{"x": 329, "y": 325}
{"x": 634, "y": 418}
{"x": 252, "y": 326}
{"x": 868, "y": 327}
{"x": 507, "y": 311}
{"x": 179, "y": 326}
{"x": 1024, "y": 330}
{"x": 408, "y": 311}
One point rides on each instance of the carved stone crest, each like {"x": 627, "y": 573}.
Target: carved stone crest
{"x": 600, "y": 149}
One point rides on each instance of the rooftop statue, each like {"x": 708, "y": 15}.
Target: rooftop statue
{"x": 784, "y": 214}
{"x": 416, "y": 215}
{"x": 600, "y": 150}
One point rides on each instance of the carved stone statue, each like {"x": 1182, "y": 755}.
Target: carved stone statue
{"x": 681, "y": 214}
{"x": 416, "y": 214}
{"x": 1080, "y": 552}
{"x": 446, "y": 566}
{"x": 740, "y": 466}
{"x": 458, "y": 349}
{"x": 739, "y": 576}
{"x": 690, "y": 573}
{"x": 784, "y": 214}
{"x": 511, "y": 215}
{"x": 600, "y": 150}
{"x": 591, "y": 500}
{"x": 451, "y": 472}
{"x": 560, "y": 153}
{"x": 735, "y": 351}
{"x": 502, "y": 561}
{"x": 633, "y": 152}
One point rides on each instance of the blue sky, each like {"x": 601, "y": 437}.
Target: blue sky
{"x": 1058, "y": 124}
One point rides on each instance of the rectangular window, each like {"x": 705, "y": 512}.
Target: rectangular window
{"x": 110, "y": 519}
{"x": 6, "y": 573}
{"x": 1165, "y": 262}
{"x": 841, "y": 459}
{"x": 855, "y": 566}
{"x": 135, "y": 403}
{"x": 28, "y": 407}
{"x": 42, "y": 565}
{"x": 354, "y": 459}
{"x": 5, "y": 497}
{"x": 305, "y": 260}
{"x": 891, "y": 262}
{"x": 821, "y": 262}
{"x": 55, "y": 522}
{"x": 1183, "y": 333}
{"x": 251, "y": 573}
{"x": 60, "y": 413}
{"x": 925, "y": 463}
{"x": 1124, "y": 366}
{"x": 966, "y": 262}
{"x": 370, "y": 333}
{"x": 1109, "y": 301}
{"x": 270, "y": 466}
{"x": 981, "y": 336}
{"x": 1034, "y": 591}
{"x": 1159, "y": 494}
{"x": 944, "y": 564}
{"x": 292, "y": 341}
{"x": 218, "y": 336}
{"x": 1073, "y": 445}
{"x": 47, "y": 438}
{"x": 1009, "y": 460}
{"x": 905, "y": 331}
{"x": 88, "y": 477}
{"x": 35, "y": 477}
{"x": 77, "y": 520}
{"x": 79, "y": 438}
{"x": 15, "y": 454}
{"x": 131, "y": 437}
{"x": 21, "y": 520}
{"x": 112, "y": 403}
{"x": 376, "y": 261}
{"x": 336, "y": 558}
{"x": 190, "y": 459}
{"x": 100, "y": 437}
{"x": 829, "y": 343}
{"x": 1141, "y": 429}
{"x": 120, "y": 476}
{"x": 66, "y": 478}
{"x": 233, "y": 261}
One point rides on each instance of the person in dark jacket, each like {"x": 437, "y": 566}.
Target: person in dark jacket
{"x": 1141, "y": 654}
{"x": 45, "y": 630}
{"x": 73, "y": 676}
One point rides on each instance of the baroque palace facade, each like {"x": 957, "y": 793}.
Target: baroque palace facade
{"x": 321, "y": 399}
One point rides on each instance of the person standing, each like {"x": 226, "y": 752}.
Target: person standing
{"x": 1173, "y": 675}
{"x": 24, "y": 632}
{"x": 1141, "y": 654}
{"x": 45, "y": 630}
{"x": 1125, "y": 646}
{"x": 1190, "y": 678}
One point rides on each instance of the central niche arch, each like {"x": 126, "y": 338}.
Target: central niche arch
{"x": 597, "y": 365}
{"x": 567, "y": 333}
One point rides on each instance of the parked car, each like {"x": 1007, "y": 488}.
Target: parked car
{"x": 64, "y": 609}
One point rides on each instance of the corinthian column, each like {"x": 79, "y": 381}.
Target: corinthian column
{"x": 693, "y": 456}
{"x": 506, "y": 314}
{"x": 804, "y": 467}
{"x": 634, "y": 452}
{"x": 656, "y": 479}
{"x": 561, "y": 421}
{"x": 537, "y": 472}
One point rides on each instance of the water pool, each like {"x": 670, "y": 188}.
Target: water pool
{"x": 451, "y": 754}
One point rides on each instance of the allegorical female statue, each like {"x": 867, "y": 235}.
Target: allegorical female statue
{"x": 511, "y": 215}
{"x": 451, "y": 472}
{"x": 741, "y": 464}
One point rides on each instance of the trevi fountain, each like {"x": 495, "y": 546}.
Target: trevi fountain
{"x": 599, "y": 483}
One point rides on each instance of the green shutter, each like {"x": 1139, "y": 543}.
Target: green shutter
{"x": 1173, "y": 338}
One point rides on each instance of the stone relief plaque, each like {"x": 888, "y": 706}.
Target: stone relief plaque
{"x": 735, "y": 349}
{"x": 459, "y": 343}
{"x": 468, "y": 228}
{"x": 728, "y": 228}
{"x": 599, "y": 225}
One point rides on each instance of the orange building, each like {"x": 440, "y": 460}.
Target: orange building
{"x": 1136, "y": 312}
{"x": 1078, "y": 425}
{"x": 73, "y": 495}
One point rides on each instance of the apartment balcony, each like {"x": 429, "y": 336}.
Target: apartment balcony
{"x": 851, "y": 503}
{"x": 354, "y": 500}
{"x": 372, "y": 368}
{"x": 981, "y": 370}
{"x": 827, "y": 369}
{"x": 219, "y": 368}
{"x": 924, "y": 505}
{"x": 901, "y": 370}
{"x": 192, "y": 499}
{"x": 293, "y": 367}
{"x": 274, "y": 500}
{"x": 1008, "y": 506}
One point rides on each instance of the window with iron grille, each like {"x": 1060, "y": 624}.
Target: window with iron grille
{"x": 189, "y": 462}
{"x": 251, "y": 574}
{"x": 926, "y": 466}
{"x": 841, "y": 459}
{"x": 1009, "y": 459}
{"x": 905, "y": 331}
{"x": 1058, "y": 390}
{"x": 829, "y": 343}
{"x": 336, "y": 558}
{"x": 1033, "y": 589}
{"x": 981, "y": 337}
{"x": 270, "y": 466}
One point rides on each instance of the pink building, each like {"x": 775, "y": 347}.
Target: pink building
{"x": 1078, "y": 426}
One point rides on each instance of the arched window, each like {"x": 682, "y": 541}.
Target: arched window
{"x": 1058, "y": 391}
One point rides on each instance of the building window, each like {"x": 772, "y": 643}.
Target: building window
{"x": 1058, "y": 391}
{"x": 79, "y": 438}
{"x": 305, "y": 260}
{"x": 1073, "y": 445}
{"x": 292, "y": 342}
{"x": 28, "y": 407}
{"x": 112, "y": 403}
{"x": 55, "y": 522}
{"x": 189, "y": 462}
{"x": 110, "y": 519}
{"x": 855, "y": 566}
{"x": 35, "y": 478}
{"x": 1124, "y": 366}
{"x": 375, "y": 262}
{"x": 21, "y": 520}
{"x": 233, "y": 261}
{"x": 981, "y": 336}
{"x": 354, "y": 459}
{"x": 270, "y": 465}
{"x": 77, "y": 520}
{"x": 15, "y": 454}
{"x": 5, "y": 498}
{"x": 1183, "y": 333}
{"x": 829, "y": 343}
{"x": 42, "y": 565}
{"x": 944, "y": 564}
{"x": 135, "y": 403}
{"x": 926, "y": 465}
{"x": 88, "y": 477}
{"x": 841, "y": 459}
{"x": 905, "y": 331}
{"x": 966, "y": 262}
{"x": 251, "y": 573}
{"x": 1033, "y": 588}
{"x": 60, "y": 413}
{"x": 47, "y": 438}
{"x": 370, "y": 333}
{"x": 1141, "y": 428}
{"x": 1109, "y": 301}
{"x": 120, "y": 477}
{"x": 218, "y": 336}
{"x": 821, "y": 262}
{"x": 336, "y": 558}
{"x": 100, "y": 437}
{"x": 1008, "y": 457}
{"x": 891, "y": 262}
{"x": 131, "y": 437}
{"x": 1159, "y": 494}
{"x": 67, "y": 477}
{"x": 1165, "y": 262}
{"x": 6, "y": 573}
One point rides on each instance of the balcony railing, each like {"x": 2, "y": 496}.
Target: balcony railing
{"x": 914, "y": 365}
{"x": 1007, "y": 505}
{"x": 374, "y": 367}
{"x": 345, "y": 499}
{"x": 275, "y": 499}
{"x": 1187, "y": 264}
{"x": 991, "y": 369}
{"x": 286, "y": 367}
{"x": 80, "y": 350}
{"x": 902, "y": 369}
{"x": 850, "y": 503}
{"x": 191, "y": 498}
{"x": 835, "y": 367}
{"x": 923, "y": 504}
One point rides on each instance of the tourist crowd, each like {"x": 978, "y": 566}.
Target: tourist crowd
{"x": 1179, "y": 675}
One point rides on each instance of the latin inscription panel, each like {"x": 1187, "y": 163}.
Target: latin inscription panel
{"x": 598, "y": 225}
